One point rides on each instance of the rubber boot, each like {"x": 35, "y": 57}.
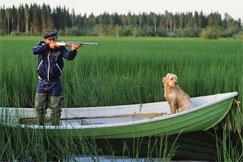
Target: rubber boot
{"x": 41, "y": 105}
{"x": 56, "y": 105}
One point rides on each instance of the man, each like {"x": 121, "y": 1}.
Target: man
{"x": 49, "y": 69}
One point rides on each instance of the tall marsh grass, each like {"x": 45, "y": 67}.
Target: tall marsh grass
{"x": 23, "y": 144}
{"x": 122, "y": 71}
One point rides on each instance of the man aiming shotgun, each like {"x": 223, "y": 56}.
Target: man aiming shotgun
{"x": 50, "y": 64}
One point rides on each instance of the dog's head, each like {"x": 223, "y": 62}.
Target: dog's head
{"x": 170, "y": 80}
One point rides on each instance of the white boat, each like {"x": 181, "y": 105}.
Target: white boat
{"x": 127, "y": 121}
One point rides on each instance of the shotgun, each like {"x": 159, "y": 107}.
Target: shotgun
{"x": 69, "y": 44}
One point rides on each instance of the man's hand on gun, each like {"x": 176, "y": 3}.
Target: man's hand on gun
{"x": 52, "y": 44}
{"x": 75, "y": 47}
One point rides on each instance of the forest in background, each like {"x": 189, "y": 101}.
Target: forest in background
{"x": 36, "y": 19}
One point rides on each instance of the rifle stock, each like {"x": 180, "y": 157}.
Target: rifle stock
{"x": 69, "y": 44}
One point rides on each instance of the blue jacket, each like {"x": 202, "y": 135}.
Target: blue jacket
{"x": 50, "y": 62}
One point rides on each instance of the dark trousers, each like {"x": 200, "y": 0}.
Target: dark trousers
{"x": 53, "y": 89}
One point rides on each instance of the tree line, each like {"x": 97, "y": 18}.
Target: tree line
{"x": 36, "y": 19}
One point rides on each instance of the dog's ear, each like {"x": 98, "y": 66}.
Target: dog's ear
{"x": 164, "y": 80}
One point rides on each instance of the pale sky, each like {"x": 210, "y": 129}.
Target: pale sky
{"x": 233, "y": 7}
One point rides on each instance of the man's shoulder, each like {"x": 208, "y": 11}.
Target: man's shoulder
{"x": 41, "y": 43}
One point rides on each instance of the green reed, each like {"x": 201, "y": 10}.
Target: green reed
{"x": 229, "y": 146}
{"x": 124, "y": 71}
{"x": 23, "y": 144}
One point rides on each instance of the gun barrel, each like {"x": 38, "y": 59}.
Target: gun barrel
{"x": 66, "y": 43}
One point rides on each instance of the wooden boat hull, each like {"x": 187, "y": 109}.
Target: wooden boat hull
{"x": 202, "y": 117}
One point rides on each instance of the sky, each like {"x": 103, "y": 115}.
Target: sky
{"x": 233, "y": 7}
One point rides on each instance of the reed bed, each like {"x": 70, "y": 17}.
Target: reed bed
{"x": 124, "y": 71}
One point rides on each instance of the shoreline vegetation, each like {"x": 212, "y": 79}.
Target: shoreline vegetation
{"x": 36, "y": 19}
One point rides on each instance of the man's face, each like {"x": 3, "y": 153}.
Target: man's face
{"x": 52, "y": 43}
{"x": 50, "y": 40}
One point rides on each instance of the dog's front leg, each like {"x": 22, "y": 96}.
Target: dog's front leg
{"x": 173, "y": 107}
